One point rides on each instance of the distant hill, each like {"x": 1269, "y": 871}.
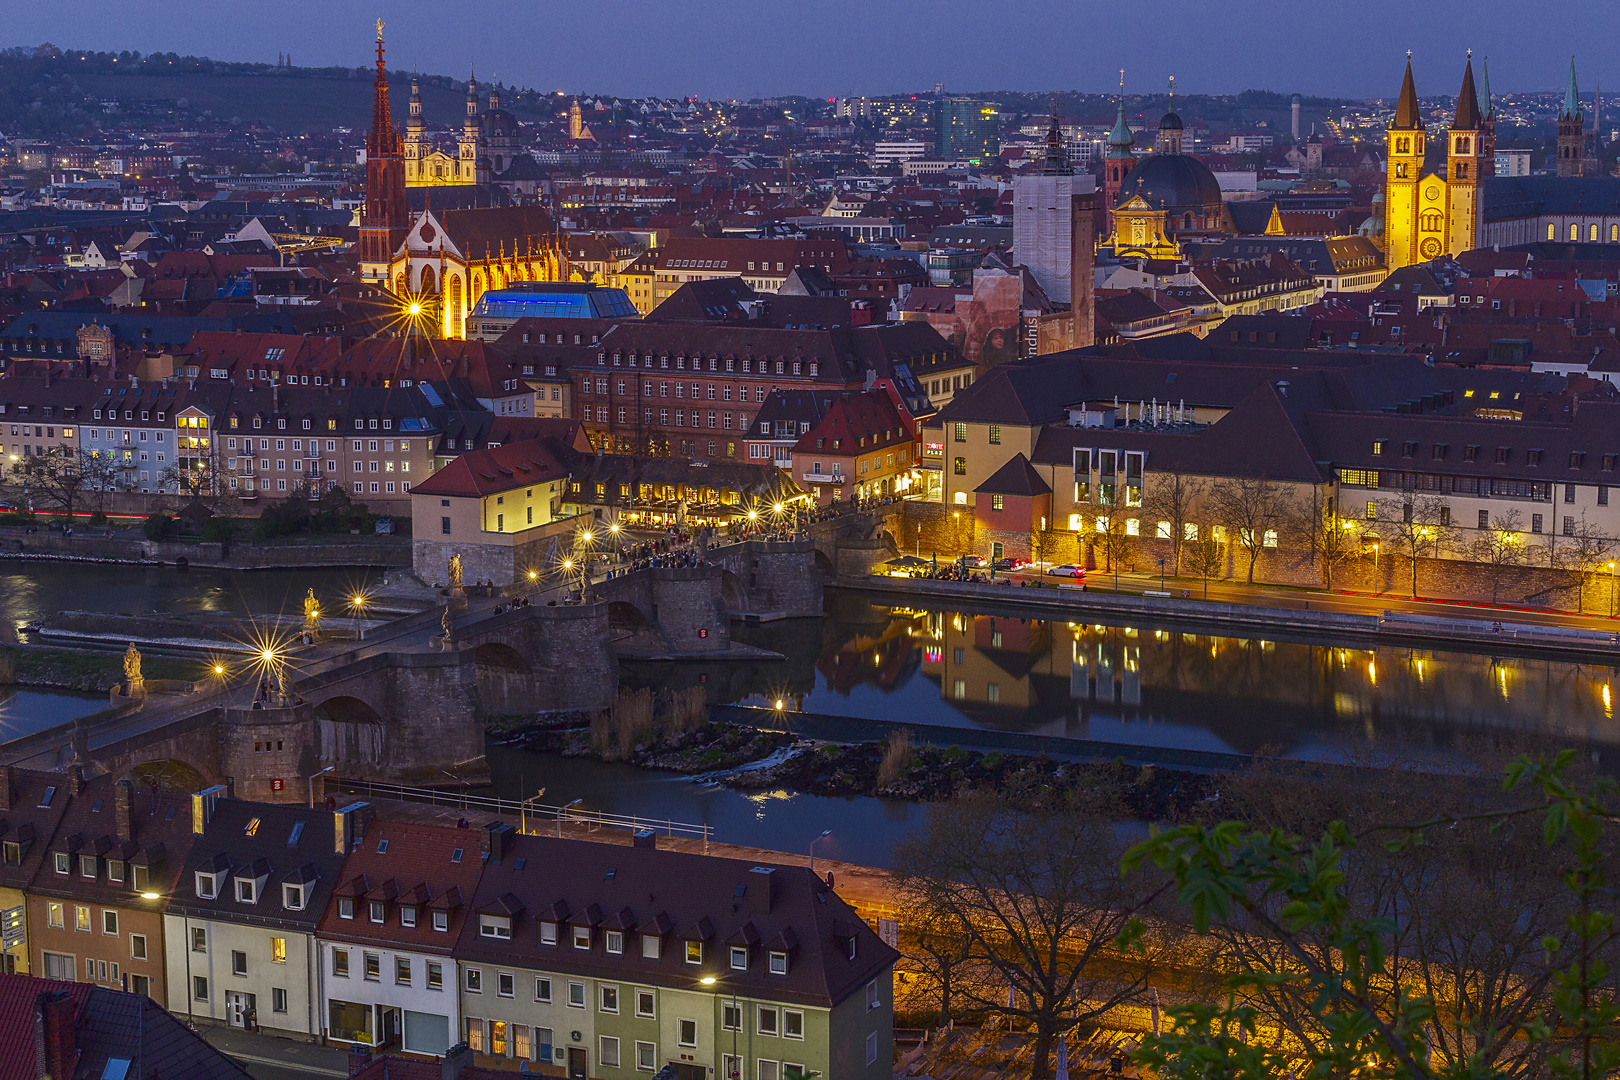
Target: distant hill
{"x": 47, "y": 92}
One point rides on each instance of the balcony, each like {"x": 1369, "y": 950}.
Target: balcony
{"x": 823, "y": 478}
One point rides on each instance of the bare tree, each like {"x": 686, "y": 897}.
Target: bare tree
{"x": 1116, "y": 542}
{"x": 1500, "y": 547}
{"x": 1252, "y": 508}
{"x": 1332, "y": 538}
{"x": 1031, "y": 879}
{"x": 1418, "y": 526}
{"x": 942, "y": 958}
{"x": 61, "y": 478}
{"x": 1171, "y": 498}
{"x": 1587, "y": 549}
{"x": 1206, "y": 557}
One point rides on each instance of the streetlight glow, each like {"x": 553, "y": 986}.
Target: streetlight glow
{"x": 268, "y": 656}
{"x": 707, "y": 980}
{"x": 415, "y": 309}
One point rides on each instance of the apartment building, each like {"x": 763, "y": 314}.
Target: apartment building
{"x": 239, "y": 926}
{"x": 95, "y": 906}
{"x": 398, "y": 909}
{"x": 610, "y": 961}
{"x": 31, "y": 803}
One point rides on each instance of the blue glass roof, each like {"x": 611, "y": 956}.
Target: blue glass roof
{"x": 557, "y": 302}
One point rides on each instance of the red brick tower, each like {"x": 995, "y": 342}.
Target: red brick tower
{"x": 385, "y": 219}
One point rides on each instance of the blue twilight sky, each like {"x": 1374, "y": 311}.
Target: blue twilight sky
{"x": 747, "y": 48}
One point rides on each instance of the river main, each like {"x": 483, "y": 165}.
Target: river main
{"x": 1141, "y": 684}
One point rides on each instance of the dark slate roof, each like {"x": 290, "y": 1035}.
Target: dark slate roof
{"x": 1467, "y": 117}
{"x": 693, "y": 895}
{"x": 1508, "y": 197}
{"x": 1408, "y": 117}
{"x": 167, "y": 330}
{"x": 226, "y": 837}
{"x": 1017, "y": 477}
{"x": 26, "y": 817}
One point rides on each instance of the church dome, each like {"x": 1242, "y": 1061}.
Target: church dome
{"x": 499, "y": 123}
{"x": 1172, "y": 182}
{"x": 1171, "y": 122}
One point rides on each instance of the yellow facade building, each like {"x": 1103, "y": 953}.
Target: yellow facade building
{"x": 1428, "y": 215}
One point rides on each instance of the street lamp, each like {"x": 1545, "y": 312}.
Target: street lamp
{"x": 523, "y": 825}
{"x": 563, "y": 810}
{"x": 824, "y": 834}
{"x": 736, "y": 1067}
{"x": 312, "y": 780}
{"x": 1611, "y": 590}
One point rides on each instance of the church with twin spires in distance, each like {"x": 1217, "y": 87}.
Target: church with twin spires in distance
{"x": 1426, "y": 216}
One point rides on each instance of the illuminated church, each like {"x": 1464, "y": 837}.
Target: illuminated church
{"x": 1426, "y": 216}
{"x": 1158, "y": 200}
{"x": 485, "y": 149}
{"x": 444, "y": 260}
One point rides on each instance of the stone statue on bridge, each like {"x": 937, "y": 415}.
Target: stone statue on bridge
{"x": 134, "y": 682}
{"x": 312, "y": 617}
{"x": 455, "y": 576}
{"x": 449, "y": 623}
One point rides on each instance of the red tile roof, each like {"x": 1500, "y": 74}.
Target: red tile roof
{"x": 17, "y": 996}
{"x": 487, "y": 472}
{"x": 869, "y": 416}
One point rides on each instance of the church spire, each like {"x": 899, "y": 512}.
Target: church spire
{"x": 1120, "y": 140}
{"x": 383, "y": 138}
{"x": 1407, "y": 115}
{"x": 1572, "y": 95}
{"x": 1057, "y": 161}
{"x": 1485, "y": 71}
{"x": 1467, "y": 116}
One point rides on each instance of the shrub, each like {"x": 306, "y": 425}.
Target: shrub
{"x": 896, "y": 758}
{"x": 159, "y": 526}
{"x": 217, "y": 530}
{"x": 98, "y": 520}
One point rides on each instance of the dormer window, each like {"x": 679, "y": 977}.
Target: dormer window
{"x": 548, "y": 933}
{"x": 495, "y": 926}
{"x": 779, "y": 961}
{"x": 407, "y": 915}
{"x": 87, "y": 866}
{"x": 441, "y": 921}
{"x": 247, "y": 890}
{"x": 377, "y": 911}
{"x": 345, "y": 907}
{"x": 207, "y": 887}
{"x": 652, "y": 946}
{"x": 292, "y": 897}
{"x": 115, "y": 871}
{"x": 613, "y": 942}
{"x": 694, "y": 952}
{"x": 739, "y": 958}
{"x": 582, "y": 937}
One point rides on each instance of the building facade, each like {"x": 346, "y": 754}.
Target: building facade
{"x": 1428, "y": 215}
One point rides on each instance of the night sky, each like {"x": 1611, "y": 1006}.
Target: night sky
{"x": 732, "y": 48}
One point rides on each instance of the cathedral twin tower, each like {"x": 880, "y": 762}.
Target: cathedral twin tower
{"x": 1426, "y": 216}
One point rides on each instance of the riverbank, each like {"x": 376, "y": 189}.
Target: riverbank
{"x": 85, "y": 671}
{"x": 1464, "y": 626}
{"x": 129, "y": 548}
{"x": 752, "y": 759}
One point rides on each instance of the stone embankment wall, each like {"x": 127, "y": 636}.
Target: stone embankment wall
{"x": 88, "y": 545}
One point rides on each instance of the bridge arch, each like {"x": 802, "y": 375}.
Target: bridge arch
{"x": 169, "y": 774}
{"x": 501, "y": 656}
{"x": 733, "y": 597}
{"x": 626, "y": 618}
{"x": 350, "y": 730}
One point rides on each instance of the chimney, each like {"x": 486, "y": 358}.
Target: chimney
{"x": 76, "y": 779}
{"x": 124, "y": 810}
{"x": 202, "y": 807}
{"x": 645, "y": 838}
{"x": 349, "y": 825}
{"x": 759, "y": 890}
{"x": 8, "y": 778}
{"x": 56, "y": 1052}
{"x": 456, "y": 1060}
{"x": 497, "y": 835}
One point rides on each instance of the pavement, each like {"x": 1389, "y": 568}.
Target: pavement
{"x": 1345, "y": 602}
{"x": 269, "y": 1057}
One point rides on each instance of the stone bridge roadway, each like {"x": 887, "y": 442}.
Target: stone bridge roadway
{"x": 400, "y": 705}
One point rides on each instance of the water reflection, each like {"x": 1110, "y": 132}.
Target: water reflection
{"x": 31, "y": 591}
{"x": 23, "y": 712}
{"x": 1154, "y": 685}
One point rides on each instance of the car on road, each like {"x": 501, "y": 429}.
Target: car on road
{"x": 974, "y": 562}
{"x": 1068, "y": 570}
{"x": 1009, "y": 564}
{"x": 7, "y": 507}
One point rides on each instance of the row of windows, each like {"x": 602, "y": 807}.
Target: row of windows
{"x": 371, "y": 969}
{"x": 90, "y": 866}
{"x": 693, "y": 390}
{"x": 781, "y": 367}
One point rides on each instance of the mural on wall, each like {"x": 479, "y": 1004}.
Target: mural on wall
{"x": 984, "y": 328}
